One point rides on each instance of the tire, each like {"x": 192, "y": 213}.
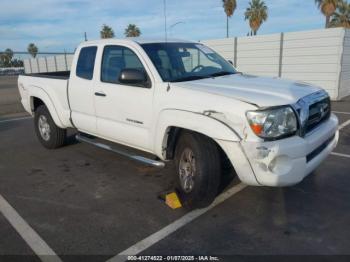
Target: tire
{"x": 205, "y": 170}
{"x": 49, "y": 134}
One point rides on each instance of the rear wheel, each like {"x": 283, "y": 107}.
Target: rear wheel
{"x": 197, "y": 162}
{"x": 49, "y": 134}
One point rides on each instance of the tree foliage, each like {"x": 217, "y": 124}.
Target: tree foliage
{"x": 132, "y": 31}
{"x": 17, "y": 63}
{"x": 341, "y": 17}
{"x": 106, "y": 32}
{"x": 7, "y": 60}
{"x": 256, "y": 14}
{"x": 327, "y": 8}
{"x": 229, "y": 8}
{"x": 32, "y": 50}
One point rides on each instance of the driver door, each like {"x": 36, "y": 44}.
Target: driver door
{"x": 123, "y": 111}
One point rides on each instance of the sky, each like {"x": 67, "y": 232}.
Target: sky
{"x": 59, "y": 25}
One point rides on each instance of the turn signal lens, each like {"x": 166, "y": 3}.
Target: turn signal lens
{"x": 257, "y": 129}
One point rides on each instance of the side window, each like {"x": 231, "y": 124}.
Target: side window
{"x": 86, "y": 62}
{"x": 115, "y": 59}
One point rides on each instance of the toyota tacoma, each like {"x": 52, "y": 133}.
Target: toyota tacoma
{"x": 181, "y": 101}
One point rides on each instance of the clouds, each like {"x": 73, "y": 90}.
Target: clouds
{"x": 55, "y": 25}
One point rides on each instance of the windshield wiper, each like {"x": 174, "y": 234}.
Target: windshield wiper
{"x": 190, "y": 78}
{"x": 222, "y": 73}
{"x": 187, "y": 78}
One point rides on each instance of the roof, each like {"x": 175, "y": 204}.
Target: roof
{"x": 137, "y": 40}
{"x": 158, "y": 40}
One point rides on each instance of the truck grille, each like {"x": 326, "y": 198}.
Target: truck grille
{"x": 312, "y": 111}
{"x": 319, "y": 112}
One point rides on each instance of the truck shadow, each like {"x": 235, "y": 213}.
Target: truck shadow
{"x": 70, "y": 139}
{"x": 228, "y": 174}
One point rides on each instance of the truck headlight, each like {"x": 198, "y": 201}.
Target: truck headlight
{"x": 273, "y": 123}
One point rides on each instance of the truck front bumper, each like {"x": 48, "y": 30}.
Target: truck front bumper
{"x": 283, "y": 162}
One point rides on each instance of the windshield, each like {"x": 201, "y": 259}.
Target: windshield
{"x": 176, "y": 62}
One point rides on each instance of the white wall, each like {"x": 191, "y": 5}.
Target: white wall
{"x": 34, "y": 65}
{"x": 344, "y": 89}
{"x": 314, "y": 57}
{"x": 224, "y": 47}
{"x": 259, "y": 55}
{"x": 48, "y": 64}
{"x": 69, "y": 61}
{"x": 26, "y": 65}
{"x": 51, "y": 64}
{"x": 42, "y": 64}
{"x": 310, "y": 56}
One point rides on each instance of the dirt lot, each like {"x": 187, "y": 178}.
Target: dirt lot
{"x": 80, "y": 200}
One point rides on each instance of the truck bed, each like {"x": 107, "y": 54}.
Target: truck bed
{"x": 54, "y": 75}
{"x": 52, "y": 89}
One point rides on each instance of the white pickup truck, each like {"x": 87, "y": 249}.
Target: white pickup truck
{"x": 181, "y": 101}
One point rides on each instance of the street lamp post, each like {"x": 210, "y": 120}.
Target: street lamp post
{"x": 173, "y": 25}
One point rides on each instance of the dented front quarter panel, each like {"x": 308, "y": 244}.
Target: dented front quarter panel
{"x": 284, "y": 162}
{"x": 218, "y": 117}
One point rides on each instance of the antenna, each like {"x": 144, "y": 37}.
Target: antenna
{"x": 85, "y": 36}
{"x": 165, "y": 22}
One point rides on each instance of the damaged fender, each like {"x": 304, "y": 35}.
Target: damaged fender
{"x": 198, "y": 122}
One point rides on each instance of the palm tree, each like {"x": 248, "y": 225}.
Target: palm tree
{"x": 327, "y": 8}
{"x": 132, "y": 31}
{"x": 229, "y": 7}
{"x": 256, "y": 13}
{"x": 341, "y": 17}
{"x": 32, "y": 49}
{"x": 106, "y": 32}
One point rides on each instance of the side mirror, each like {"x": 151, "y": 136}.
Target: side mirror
{"x": 133, "y": 77}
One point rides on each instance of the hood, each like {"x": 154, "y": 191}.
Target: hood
{"x": 261, "y": 91}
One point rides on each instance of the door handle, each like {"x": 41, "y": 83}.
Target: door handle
{"x": 100, "y": 94}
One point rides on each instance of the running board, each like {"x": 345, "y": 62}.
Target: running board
{"x": 141, "y": 159}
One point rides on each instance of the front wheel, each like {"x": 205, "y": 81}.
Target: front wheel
{"x": 49, "y": 134}
{"x": 197, "y": 161}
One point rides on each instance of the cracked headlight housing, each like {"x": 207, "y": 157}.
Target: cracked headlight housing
{"x": 273, "y": 123}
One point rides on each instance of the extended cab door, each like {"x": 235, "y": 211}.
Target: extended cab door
{"x": 81, "y": 90}
{"x": 123, "y": 111}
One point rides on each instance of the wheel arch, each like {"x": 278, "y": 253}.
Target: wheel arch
{"x": 39, "y": 97}
{"x": 172, "y": 122}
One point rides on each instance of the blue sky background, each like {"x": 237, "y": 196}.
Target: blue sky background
{"x": 55, "y": 25}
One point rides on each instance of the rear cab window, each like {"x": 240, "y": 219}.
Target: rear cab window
{"x": 86, "y": 62}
